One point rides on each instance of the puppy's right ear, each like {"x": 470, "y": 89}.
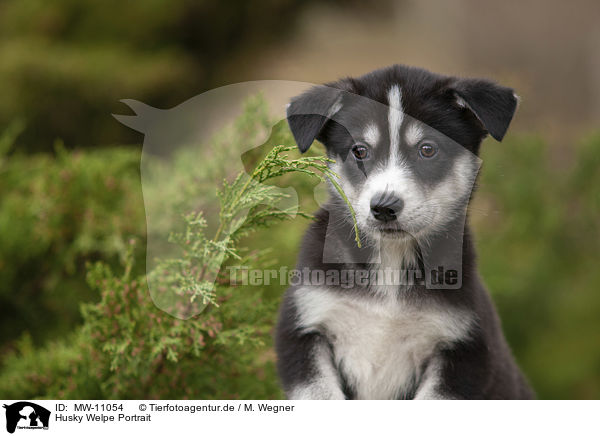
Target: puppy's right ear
{"x": 308, "y": 113}
{"x": 493, "y": 105}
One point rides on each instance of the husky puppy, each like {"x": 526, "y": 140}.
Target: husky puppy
{"x": 405, "y": 315}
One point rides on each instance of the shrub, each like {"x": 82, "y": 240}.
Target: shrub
{"x": 129, "y": 348}
{"x": 57, "y": 212}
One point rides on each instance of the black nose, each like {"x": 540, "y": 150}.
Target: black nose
{"x": 385, "y": 207}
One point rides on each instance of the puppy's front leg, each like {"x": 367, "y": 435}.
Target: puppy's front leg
{"x": 430, "y": 387}
{"x": 306, "y": 366}
{"x": 460, "y": 372}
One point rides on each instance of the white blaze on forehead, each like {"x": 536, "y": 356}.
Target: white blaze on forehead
{"x": 371, "y": 134}
{"x": 395, "y": 117}
{"x": 414, "y": 133}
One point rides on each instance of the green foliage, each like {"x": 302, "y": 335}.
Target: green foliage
{"x": 56, "y": 212}
{"x": 535, "y": 223}
{"x": 66, "y": 63}
{"x": 142, "y": 352}
{"x": 133, "y": 349}
{"x": 538, "y": 234}
{"x": 68, "y": 92}
{"x": 8, "y": 137}
{"x": 246, "y": 204}
{"x": 57, "y": 370}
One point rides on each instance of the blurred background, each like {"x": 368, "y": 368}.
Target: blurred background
{"x": 70, "y": 188}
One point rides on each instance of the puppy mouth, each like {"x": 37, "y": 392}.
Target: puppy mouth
{"x": 391, "y": 229}
{"x": 395, "y": 233}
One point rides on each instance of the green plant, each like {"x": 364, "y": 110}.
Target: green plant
{"x": 143, "y": 344}
{"x": 57, "y": 212}
{"x": 132, "y": 348}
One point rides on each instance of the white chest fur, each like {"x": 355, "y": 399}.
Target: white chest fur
{"x": 380, "y": 345}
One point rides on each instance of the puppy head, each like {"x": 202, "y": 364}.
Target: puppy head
{"x": 405, "y": 142}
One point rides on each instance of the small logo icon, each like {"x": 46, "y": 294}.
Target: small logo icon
{"x": 26, "y": 415}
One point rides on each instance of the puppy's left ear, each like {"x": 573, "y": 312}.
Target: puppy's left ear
{"x": 308, "y": 113}
{"x": 492, "y": 104}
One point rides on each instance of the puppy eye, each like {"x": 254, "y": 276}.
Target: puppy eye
{"x": 427, "y": 150}
{"x": 360, "y": 152}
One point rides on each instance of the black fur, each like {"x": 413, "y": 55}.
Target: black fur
{"x": 478, "y": 367}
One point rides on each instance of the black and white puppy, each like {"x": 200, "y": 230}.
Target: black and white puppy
{"x": 405, "y": 143}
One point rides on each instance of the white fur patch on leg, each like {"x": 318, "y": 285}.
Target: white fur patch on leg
{"x": 325, "y": 386}
{"x": 429, "y": 388}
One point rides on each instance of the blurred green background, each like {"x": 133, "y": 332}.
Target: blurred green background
{"x": 70, "y": 189}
